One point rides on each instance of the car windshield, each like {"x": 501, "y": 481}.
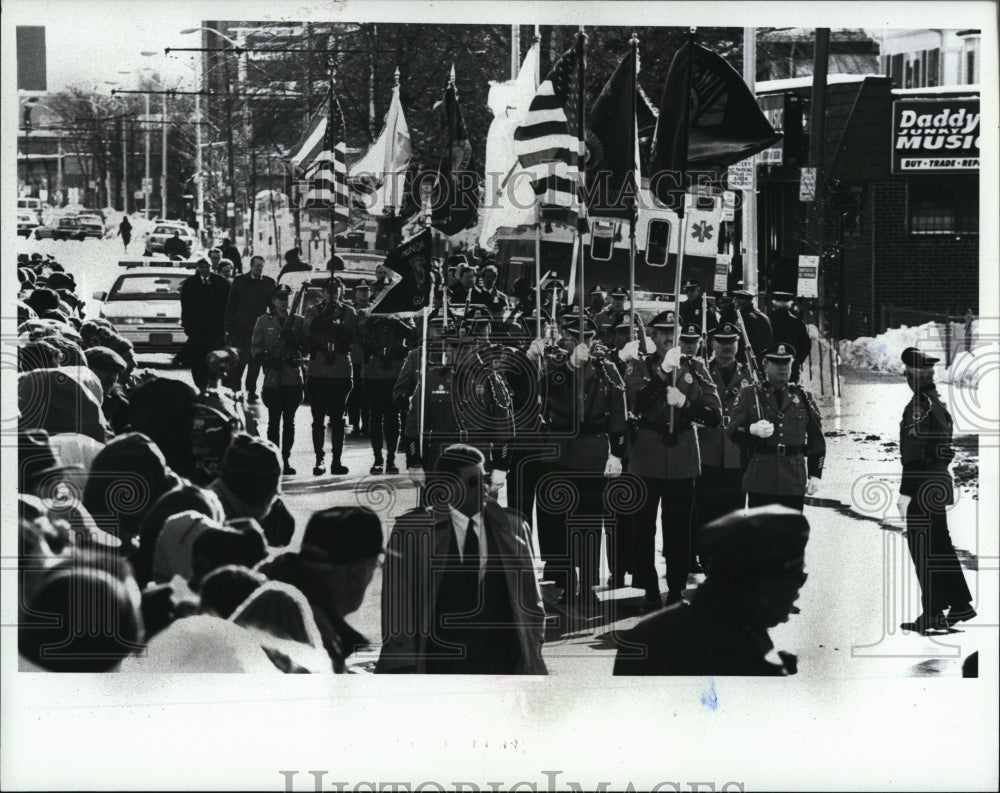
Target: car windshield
{"x": 167, "y": 230}
{"x": 148, "y": 287}
{"x": 69, "y": 222}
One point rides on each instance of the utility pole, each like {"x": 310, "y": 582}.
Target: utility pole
{"x": 817, "y": 131}
{"x": 163, "y": 169}
{"x": 231, "y": 207}
{"x": 515, "y": 50}
{"x": 199, "y": 167}
{"x": 148, "y": 181}
{"x": 749, "y": 218}
{"x": 124, "y": 166}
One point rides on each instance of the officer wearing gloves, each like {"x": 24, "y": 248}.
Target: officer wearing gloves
{"x": 779, "y": 427}
{"x": 669, "y": 393}
{"x": 584, "y": 415}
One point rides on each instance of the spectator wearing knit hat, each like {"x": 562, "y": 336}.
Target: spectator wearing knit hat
{"x": 110, "y": 367}
{"x": 163, "y": 409}
{"x": 249, "y": 477}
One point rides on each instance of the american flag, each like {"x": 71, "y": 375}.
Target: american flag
{"x": 328, "y": 177}
{"x": 548, "y": 142}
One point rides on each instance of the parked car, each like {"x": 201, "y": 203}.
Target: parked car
{"x": 27, "y": 222}
{"x": 144, "y": 304}
{"x": 65, "y": 228}
{"x": 32, "y": 205}
{"x": 161, "y": 233}
{"x": 93, "y": 226}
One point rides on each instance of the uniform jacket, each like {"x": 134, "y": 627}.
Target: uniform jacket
{"x": 331, "y": 332}
{"x": 703, "y": 637}
{"x": 203, "y": 308}
{"x": 717, "y": 450}
{"x": 585, "y": 430}
{"x": 607, "y": 318}
{"x": 690, "y": 312}
{"x": 411, "y": 581}
{"x": 759, "y": 330}
{"x": 925, "y": 433}
{"x": 786, "y": 328}
{"x": 381, "y": 348}
{"x": 279, "y": 345}
{"x": 796, "y": 424}
{"x": 653, "y": 452}
{"x": 248, "y": 299}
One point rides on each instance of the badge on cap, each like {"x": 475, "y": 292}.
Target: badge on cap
{"x": 782, "y": 350}
{"x": 688, "y": 378}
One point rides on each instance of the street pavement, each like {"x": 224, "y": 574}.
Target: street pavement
{"x": 861, "y": 583}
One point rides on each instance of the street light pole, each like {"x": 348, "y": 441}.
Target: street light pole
{"x": 163, "y": 170}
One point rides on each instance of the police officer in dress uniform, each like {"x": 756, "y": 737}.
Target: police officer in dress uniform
{"x": 584, "y": 413}
{"x": 611, "y": 316}
{"x": 691, "y": 310}
{"x": 357, "y": 402}
{"x": 382, "y": 341}
{"x": 719, "y": 487}
{"x": 598, "y": 301}
{"x": 925, "y": 491}
{"x": 666, "y": 458}
{"x": 755, "y": 566}
{"x": 786, "y": 328}
{"x": 780, "y": 426}
{"x": 758, "y": 326}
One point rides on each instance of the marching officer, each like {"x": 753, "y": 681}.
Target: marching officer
{"x": 689, "y": 339}
{"x": 382, "y": 341}
{"x": 786, "y": 328}
{"x": 925, "y": 491}
{"x": 584, "y": 412}
{"x": 611, "y": 316}
{"x": 691, "y": 310}
{"x": 662, "y": 385}
{"x": 357, "y": 402}
{"x": 779, "y": 426}
{"x": 598, "y": 301}
{"x": 719, "y": 487}
{"x": 757, "y": 325}
{"x": 277, "y": 343}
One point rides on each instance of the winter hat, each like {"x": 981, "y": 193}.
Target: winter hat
{"x": 251, "y": 468}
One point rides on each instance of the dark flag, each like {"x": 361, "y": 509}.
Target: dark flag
{"x": 719, "y": 124}
{"x": 456, "y": 194}
{"x": 411, "y": 287}
{"x": 611, "y": 181}
{"x": 328, "y": 172}
{"x": 547, "y": 142}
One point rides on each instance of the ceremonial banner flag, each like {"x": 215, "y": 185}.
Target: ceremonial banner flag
{"x": 456, "y": 193}
{"x": 708, "y": 119}
{"x": 611, "y": 166}
{"x": 548, "y": 146}
{"x": 412, "y": 280}
{"x": 328, "y": 181}
{"x": 382, "y": 170}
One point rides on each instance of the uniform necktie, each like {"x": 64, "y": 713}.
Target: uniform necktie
{"x": 470, "y": 550}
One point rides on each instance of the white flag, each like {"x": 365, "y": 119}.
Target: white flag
{"x": 384, "y": 166}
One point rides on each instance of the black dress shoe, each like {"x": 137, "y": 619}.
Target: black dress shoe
{"x": 287, "y": 470}
{"x": 651, "y": 603}
{"x": 673, "y": 597}
{"x": 923, "y": 623}
{"x": 961, "y": 614}
{"x": 377, "y": 468}
{"x": 318, "y": 469}
{"x": 338, "y": 469}
{"x": 390, "y": 468}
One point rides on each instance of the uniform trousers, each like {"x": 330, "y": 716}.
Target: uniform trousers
{"x": 328, "y": 397}
{"x": 383, "y": 417}
{"x": 676, "y": 497}
{"x": 763, "y": 499}
{"x": 281, "y": 403}
{"x": 938, "y": 570}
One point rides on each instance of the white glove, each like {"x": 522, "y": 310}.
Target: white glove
{"x": 581, "y": 354}
{"x": 614, "y": 466}
{"x": 903, "y": 504}
{"x": 675, "y": 397}
{"x": 671, "y": 360}
{"x": 417, "y": 476}
{"x": 498, "y": 479}
{"x": 812, "y": 485}
{"x": 536, "y": 350}
{"x": 762, "y": 428}
{"x": 630, "y": 352}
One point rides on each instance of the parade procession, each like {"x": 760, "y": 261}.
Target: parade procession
{"x": 484, "y": 370}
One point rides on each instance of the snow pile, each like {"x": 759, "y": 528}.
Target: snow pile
{"x": 882, "y": 353}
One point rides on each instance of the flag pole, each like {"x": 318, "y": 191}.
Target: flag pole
{"x": 581, "y": 118}
{"x": 634, "y": 208}
{"x": 392, "y": 187}
{"x": 538, "y": 212}
{"x": 692, "y": 32}
{"x": 331, "y": 120}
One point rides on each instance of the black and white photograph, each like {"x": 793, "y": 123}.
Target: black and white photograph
{"x": 488, "y": 396}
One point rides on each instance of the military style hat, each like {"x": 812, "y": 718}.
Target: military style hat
{"x": 743, "y": 293}
{"x": 619, "y": 291}
{"x": 916, "y": 359}
{"x": 665, "y": 320}
{"x": 782, "y": 296}
{"x": 726, "y": 332}
{"x": 281, "y": 290}
{"x": 761, "y": 539}
{"x": 691, "y": 332}
{"x": 690, "y": 283}
{"x": 570, "y": 325}
{"x": 104, "y": 358}
{"x": 626, "y": 323}
{"x": 598, "y": 290}
{"x": 344, "y": 535}
{"x": 363, "y": 284}
{"x": 779, "y": 353}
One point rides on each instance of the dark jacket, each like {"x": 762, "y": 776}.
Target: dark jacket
{"x": 786, "y": 328}
{"x": 248, "y": 299}
{"x": 232, "y": 253}
{"x": 175, "y": 246}
{"x": 203, "y": 308}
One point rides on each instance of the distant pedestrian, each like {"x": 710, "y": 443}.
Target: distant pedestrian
{"x": 176, "y": 247}
{"x": 125, "y": 231}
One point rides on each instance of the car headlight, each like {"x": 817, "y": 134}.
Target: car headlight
{"x": 129, "y": 320}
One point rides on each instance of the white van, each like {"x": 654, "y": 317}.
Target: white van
{"x": 30, "y": 205}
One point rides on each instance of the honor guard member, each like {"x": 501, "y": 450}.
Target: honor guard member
{"x": 691, "y": 309}
{"x": 612, "y": 315}
{"x": 755, "y": 567}
{"x": 689, "y": 339}
{"x": 926, "y": 490}
{"x": 357, "y": 402}
{"x": 496, "y": 302}
{"x": 666, "y": 458}
{"x": 277, "y": 343}
{"x": 719, "y": 487}
{"x": 786, "y": 328}
{"x": 758, "y": 326}
{"x": 779, "y": 425}
{"x": 383, "y": 344}
{"x": 598, "y": 301}
{"x": 584, "y": 412}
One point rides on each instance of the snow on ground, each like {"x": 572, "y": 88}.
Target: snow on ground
{"x": 881, "y": 353}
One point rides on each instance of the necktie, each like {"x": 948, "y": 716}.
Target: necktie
{"x": 470, "y": 551}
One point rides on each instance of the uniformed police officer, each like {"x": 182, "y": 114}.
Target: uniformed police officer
{"x": 691, "y": 310}
{"x": 357, "y": 401}
{"x": 780, "y": 425}
{"x": 611, "y": 316}
{"x": 583, "y": 408}
{"x": 926, "y": 489}
{"x": 598, "y": 301}
{"x": 786, "y": 328}
{"x": 382, "y": 342}
{"x": 719, "y": 487}
{"x": 663, "y": 385}
{"x": 755, "y": 567}
{"x": 758, "y": 326}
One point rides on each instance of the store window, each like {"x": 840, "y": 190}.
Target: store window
{"x": 657, "y": 243}
{"x": 943, "y": 205}
{"x": 970, "y": 67}
{"x": 933, "y": 66}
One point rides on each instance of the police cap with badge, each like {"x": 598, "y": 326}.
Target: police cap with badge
{"x": 690, "y": 332}
{"x": 665, "y": 320}
{"x": 783, "y": 297}
{"x": 281, "y": 292}
{"x": 569, "y": 325}
{"x": 598, "y": 290}
{"x": 779, "y": 353}
{"x": 619, "y": 293}
{"x": 726, "y": 332}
